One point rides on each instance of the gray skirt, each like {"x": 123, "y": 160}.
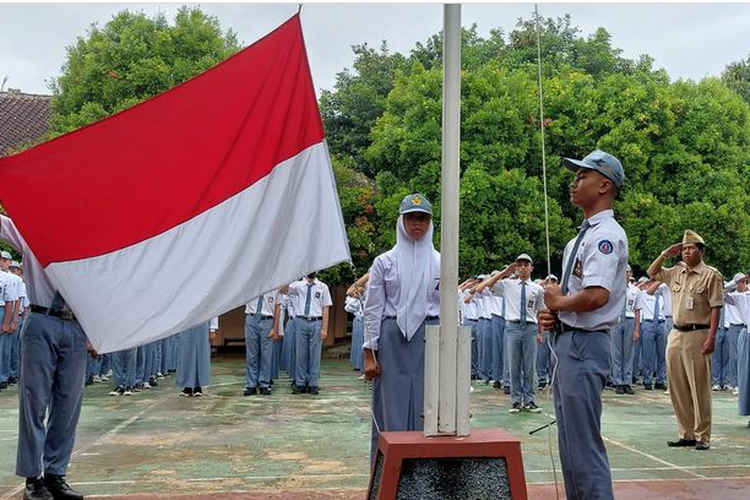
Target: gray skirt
{"x": 194, "y": 357}
{"x": 398, "y": 393}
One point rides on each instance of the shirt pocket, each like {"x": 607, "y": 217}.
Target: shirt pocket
{"x": 390, "y": 278}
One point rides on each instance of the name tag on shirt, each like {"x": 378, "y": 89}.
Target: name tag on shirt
{"x": 689, "y": 303}
{"x": 578, "y": 269}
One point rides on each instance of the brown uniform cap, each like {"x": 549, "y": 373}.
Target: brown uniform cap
{"x": 692, "y": 237}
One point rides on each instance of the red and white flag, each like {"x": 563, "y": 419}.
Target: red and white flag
{"x": 187, "y": 205}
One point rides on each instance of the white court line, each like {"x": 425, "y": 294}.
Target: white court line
{"x": 108, "y": 435}
{"x": 689, "y": 479}
{"x": 646, "y": 469}
{"x": 652, "y": 457}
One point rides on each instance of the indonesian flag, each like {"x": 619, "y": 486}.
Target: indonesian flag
{"x": 188, "y": 205}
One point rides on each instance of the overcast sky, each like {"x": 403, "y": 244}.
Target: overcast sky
{"x": 688, "y": 40}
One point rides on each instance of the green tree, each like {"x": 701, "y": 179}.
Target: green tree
{"x": 132, "y": 58}
{"x": 737, "y": 77}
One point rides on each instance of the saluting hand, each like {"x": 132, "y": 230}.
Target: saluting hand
{"x": 674, "y": 250}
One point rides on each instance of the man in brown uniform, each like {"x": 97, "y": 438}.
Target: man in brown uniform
{"x": 697, "y": 298}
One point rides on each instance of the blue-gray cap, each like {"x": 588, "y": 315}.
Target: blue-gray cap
{"x": 415, "y": 203}
{"x": 604, "y": 163}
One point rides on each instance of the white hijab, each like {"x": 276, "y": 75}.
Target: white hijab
{"x": 418, "y": 271}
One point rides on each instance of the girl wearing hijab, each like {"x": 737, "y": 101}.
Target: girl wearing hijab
{"x": 402, "y": 297}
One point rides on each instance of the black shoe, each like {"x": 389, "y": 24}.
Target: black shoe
{"x": 681, "y": 443}
{"x": 313, "y": 389}
{"x": 628, "y": 390}
{"x": 59, "y": 488}
{"x": 89, "y": 381}
{"x": 265, "y": 391}
{"x": 542, "y": 386}
{"x": 171, "y": 370}
{"x": 270, "y": 383}
{"x": 35, "y": 490}
{"x": 12, "y": 381}
{"x": 702, "y": 445}
{"x": 197, "y": 391}
{"x": 648, "y": 387}
{"x": 516, "y": 408}
{"x": 660, "y": 387}
{"x": 3, "y": 385}
{"x": 620, "y": 389}
{"x": 635, "y": 381}
{"x": 506, "y": 390}
{"x": 297, "y": 389}
{"x": 497, "y": 385}
{"x": 250, "y": 391}
{"x": 531, "y": 407}
{"x": 187, "y": 391}
{"x": 152, "y": 382}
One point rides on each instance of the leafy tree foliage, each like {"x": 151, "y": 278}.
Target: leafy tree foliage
{"x": 737, "y": 77}
{"x": 131, "y": 59}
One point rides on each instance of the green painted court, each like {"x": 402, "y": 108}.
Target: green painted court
{"x": 227, "y": 446}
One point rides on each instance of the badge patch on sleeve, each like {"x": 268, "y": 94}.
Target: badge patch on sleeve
{"x": 606, "y": 247}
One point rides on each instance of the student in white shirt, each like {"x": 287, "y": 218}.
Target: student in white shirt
{"x": 623, "y": 335}
{"x": 523, "y": 301}
{"x": 259, "y": 333}
{"x": 402, "y": 297}
{"x": 312, "y": 303}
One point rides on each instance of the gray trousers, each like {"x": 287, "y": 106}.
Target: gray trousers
{"x": 487, "y": 351}
{"x": 307, "y": 352}
{"x": 258, "y": 351}
{"x": 654, "y": 347}
{"x": 622, "y": 352}
{"x": 583, "y": 366}
{"x": 52, "y": 375}
{"x": 497, "y": 327}
{"x": 474, "y": 347}
{"x": 521, "y": 344}
{"x": 123, "y": 368}
{"x": 743, "y": 376}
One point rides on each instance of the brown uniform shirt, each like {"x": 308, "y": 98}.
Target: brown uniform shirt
{"x": 694, "y": 292}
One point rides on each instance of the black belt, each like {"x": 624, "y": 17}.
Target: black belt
{"x": 658, "y": 320}
{"x": 691, "y": 328}
{"x": 262, "y": 316}
{"x": 310, "y": 318}
{"x": 736, "y": 324}
{"x": 567, "y": 328}
{"x": 429, "y": 318}
{"x": 50, "y": 312}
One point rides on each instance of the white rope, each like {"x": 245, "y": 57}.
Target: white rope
{"x": 553, "y": 355}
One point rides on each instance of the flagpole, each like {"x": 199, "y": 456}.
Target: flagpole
{"x": 454, "y": 349}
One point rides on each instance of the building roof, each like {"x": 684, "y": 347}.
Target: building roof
{"x": 23, "y": 118}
